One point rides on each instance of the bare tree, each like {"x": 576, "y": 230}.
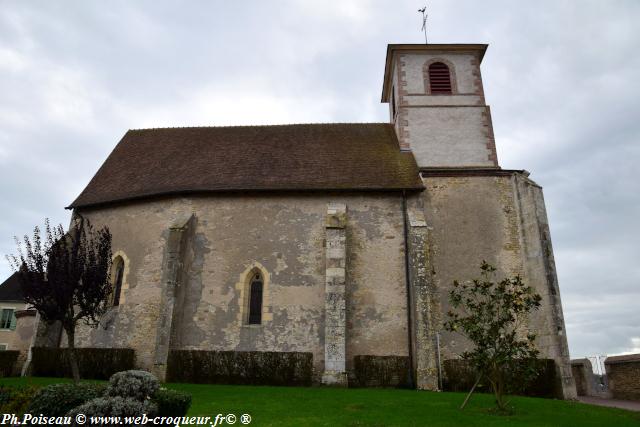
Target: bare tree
{"x": 65, "y": 277}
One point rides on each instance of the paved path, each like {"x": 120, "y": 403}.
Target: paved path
{"x": 623, "y": 404}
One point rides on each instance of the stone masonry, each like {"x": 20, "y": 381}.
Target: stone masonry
{"x": 171, "y": 272}
{"x": 335, "y": 305}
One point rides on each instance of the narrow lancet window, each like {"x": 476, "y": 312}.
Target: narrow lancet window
{"x": 255, "y": 300}
{"x": 439, "y": 79}
{"x": 118, "y": 273}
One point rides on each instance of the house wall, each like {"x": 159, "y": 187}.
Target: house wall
{"x": 284, "y": 236}
{"x": 8, "y": 336}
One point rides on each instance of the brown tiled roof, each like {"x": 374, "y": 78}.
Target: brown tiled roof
{"x": 154, "y": 162}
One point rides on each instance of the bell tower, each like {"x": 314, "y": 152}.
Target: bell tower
{"x": 436, "y": 103}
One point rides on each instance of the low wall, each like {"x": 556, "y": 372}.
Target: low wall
{"x": 588, "y": 383}
{"x": 624, "y": 376}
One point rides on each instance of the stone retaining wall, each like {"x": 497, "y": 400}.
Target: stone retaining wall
{"x": 624, "y": 376}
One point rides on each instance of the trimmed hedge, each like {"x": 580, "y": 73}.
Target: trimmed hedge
{"x": 172, "y": 403}
{"x": 94, "y": 363}
{"x": 381, "y": 371}
{"x": 7, "y": 362}
{"x": 460, "y": 376}
{"x": 240, "y": 367}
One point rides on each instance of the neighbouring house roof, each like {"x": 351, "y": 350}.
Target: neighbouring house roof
{"x": 10, "y": 289}
{"x": 155, "y": 162}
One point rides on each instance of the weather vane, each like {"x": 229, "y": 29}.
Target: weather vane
{"x": 424, "y": 22}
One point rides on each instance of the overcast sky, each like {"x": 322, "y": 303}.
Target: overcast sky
{"x": 560, "y": 76}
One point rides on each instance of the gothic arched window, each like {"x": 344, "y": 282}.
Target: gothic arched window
{"x": 116, "y": 279}
{"x": 255, "y": 299}
{"x": 439, "y": 79}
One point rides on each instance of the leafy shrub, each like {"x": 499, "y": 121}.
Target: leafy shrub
{"x": 133, "y": 384}
{"x": 5, "y": 395}
{"x": 16, "y": 400}
{"x": 58, "y": 399}
{"x": 172, "y": 403}
{"x": 115, "y": 406}
{"x": 94, "y": 363}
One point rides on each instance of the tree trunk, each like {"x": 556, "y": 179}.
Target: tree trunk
{"x": 498, "y": 391}
{"x": 73, "y": 361}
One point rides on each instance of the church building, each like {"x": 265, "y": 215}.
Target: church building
{"x": 340, "y": 240}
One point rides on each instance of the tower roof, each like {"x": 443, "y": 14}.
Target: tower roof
{"x": 435, "y": 48}
{"x": 302, "y": 157}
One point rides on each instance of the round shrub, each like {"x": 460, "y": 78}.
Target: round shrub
{"x": 58, "y": 399}
{"x": 172, "y": 403}
{"x": 138, "y": 385}
{"x": 114, "y": 406}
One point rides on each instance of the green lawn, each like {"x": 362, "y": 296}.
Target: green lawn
{"x": 293, "y": 406}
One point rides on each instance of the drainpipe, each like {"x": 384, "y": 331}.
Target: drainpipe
{"x": 408, "y": 283}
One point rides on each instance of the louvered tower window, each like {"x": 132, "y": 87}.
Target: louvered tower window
{"x": 439, "y": 79}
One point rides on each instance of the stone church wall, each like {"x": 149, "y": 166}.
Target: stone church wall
{"x": 282, "y": 237}
{"x": 500, "y": 219}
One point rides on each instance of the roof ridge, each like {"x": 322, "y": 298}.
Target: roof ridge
{"x": 261, "y": 126}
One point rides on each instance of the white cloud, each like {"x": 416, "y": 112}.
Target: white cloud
{"x": 12, "y": 61}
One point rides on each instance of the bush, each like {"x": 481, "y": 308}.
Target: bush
{"x": 240, "y": 367}
{"x": 459, "y": 375}
{"x": 16, "y": 400}
{"x": 94, "y": 363}
{"x": 5, "y": 395}
{"x": 172, "y": 403}
{"x": 58, "y": 399}
{"x": 138, "y": 385}
{"x": 114, "y": 406}
{"x": 7, "y": 362}
{"x": 381, "y": 371}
